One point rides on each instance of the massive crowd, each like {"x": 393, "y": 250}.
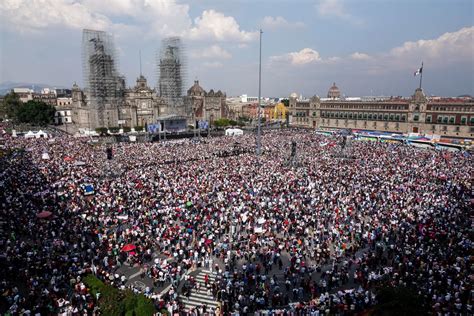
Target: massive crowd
{"x": 315, "y": 237}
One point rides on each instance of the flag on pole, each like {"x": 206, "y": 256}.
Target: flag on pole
{"x": 418, "y": 71}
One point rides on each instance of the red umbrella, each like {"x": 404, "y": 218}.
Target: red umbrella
{"x": 128, "y": 247}
{"x": 67, "y": 158}
{"x": 44, "y": 214}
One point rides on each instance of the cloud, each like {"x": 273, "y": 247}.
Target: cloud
{"x": 214, "y": 64}
{"x": 214, "y": 51}
{"x": 449, "y": 47}
{"x": 270, "y": 22}
{"x": 359, "y": 56}
{"x": 215, "y": 25}
{"x": 149, "y": 18}
{"x": 335, "y": 8}
{"x": 304, "y": 56}
{"x": 34, "y": 15}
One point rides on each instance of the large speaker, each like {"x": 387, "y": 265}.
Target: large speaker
{"x": 108, "y": 151}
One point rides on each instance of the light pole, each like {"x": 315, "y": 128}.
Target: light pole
{"x": 259, "y": 132}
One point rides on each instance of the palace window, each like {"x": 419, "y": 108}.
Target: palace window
{"x": 440, "y": 119}
{"x": 451, "y": 120}
{"x": 416, "y": 118}
{"x": 472, "y": 119}
{"x": 463, "y": 120}
{"x": 445, "y": 120}
{"x": 428, "y": 119}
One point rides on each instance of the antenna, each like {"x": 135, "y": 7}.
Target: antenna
{"x": 140, "y": 54}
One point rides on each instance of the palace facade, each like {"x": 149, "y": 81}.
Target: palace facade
{"x": 447, "y": 117}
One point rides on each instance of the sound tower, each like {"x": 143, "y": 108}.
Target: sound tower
{"x": 108, "y": 151}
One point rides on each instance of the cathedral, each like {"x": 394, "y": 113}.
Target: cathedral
{"x": 105, "y": 102}
{"x": 141, "y": 105}
{"x": 206, "y": 106}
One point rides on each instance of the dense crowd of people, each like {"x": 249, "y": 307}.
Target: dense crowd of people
{"x": 315, "y": 237}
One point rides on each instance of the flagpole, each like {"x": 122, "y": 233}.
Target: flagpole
{"x": 259, "y": 132}
{"x": 421, "y": 74}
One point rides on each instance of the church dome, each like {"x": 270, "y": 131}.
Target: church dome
{"x": 334, "y": 92}
{"x": 294, "y": 95}
{"x": 196, "y": 89}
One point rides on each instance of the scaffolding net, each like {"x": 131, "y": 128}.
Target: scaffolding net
{"x": 171, "y": 62}
{"x": 102, "y": 83}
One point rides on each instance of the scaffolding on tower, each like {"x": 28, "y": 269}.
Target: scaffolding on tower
{"x": 171, "y": 73}
{"x": 103, "y": 85}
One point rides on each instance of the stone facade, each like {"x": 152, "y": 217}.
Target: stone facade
{"x": 140, "y": 106}
{"x": 207, "y": 106}
{"x": 448, "y": 117}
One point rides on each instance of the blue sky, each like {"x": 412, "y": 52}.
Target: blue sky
{"x": 366, "y": 46}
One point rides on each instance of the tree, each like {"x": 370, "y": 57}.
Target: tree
{"x": 113, "y": 302}
{"x": 286, "y": 102}
{"x": 35, "y": 112}
{"x": 101, "y": 130}
{"x": 399, "y": 301}
{"x": 11, "y": 103}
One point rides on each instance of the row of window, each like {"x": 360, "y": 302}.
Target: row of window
{"x": 452, "y": 108}
{"x": 366, "y": 106}
{"x": 450, "y": 120}
{"x": 366, "y": 116}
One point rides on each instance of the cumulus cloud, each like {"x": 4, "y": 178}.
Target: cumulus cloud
{"x": 215, "y": 25}
{"x": 359, "y": 56}
{"x": 214, "y": 51}
{"x": 304, "y": 56}
{"x": 34, "y": 15}
{"x": 151, "y": 18}
{"x": 448, "y": 47}
{"x": 270, "y": 22}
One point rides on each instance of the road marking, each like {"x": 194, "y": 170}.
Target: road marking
{"x": 134, "y": 275}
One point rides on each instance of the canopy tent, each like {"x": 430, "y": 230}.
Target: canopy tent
{"x": 234, "y": 132}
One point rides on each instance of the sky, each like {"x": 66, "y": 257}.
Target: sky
{"x": 367, "y": 47}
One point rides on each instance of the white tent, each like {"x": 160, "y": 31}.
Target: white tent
{"x": 30, "y": 134}
{"x": 234, "y": 132}
{"x": 41, "y": 134}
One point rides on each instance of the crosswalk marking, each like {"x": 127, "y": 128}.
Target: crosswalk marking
{"x": 200, "y": 298}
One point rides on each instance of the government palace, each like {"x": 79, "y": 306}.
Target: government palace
{"x": 446, "y": 117}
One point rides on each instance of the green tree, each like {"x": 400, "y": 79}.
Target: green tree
{"x": 286, "y": 102}
{"x": 35, "y": 112}
{"x": 399, "y": 301}
{"x": 115, "y": 302}
{"x": 11, "y": 103}
{"x": 101, "y": 130}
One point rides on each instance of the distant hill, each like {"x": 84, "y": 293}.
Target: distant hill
{"x": 464, "y": 96}
{"x": 7, "y": 86}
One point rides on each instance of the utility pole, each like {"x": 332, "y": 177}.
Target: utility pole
{"x": 259, "y": 132}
